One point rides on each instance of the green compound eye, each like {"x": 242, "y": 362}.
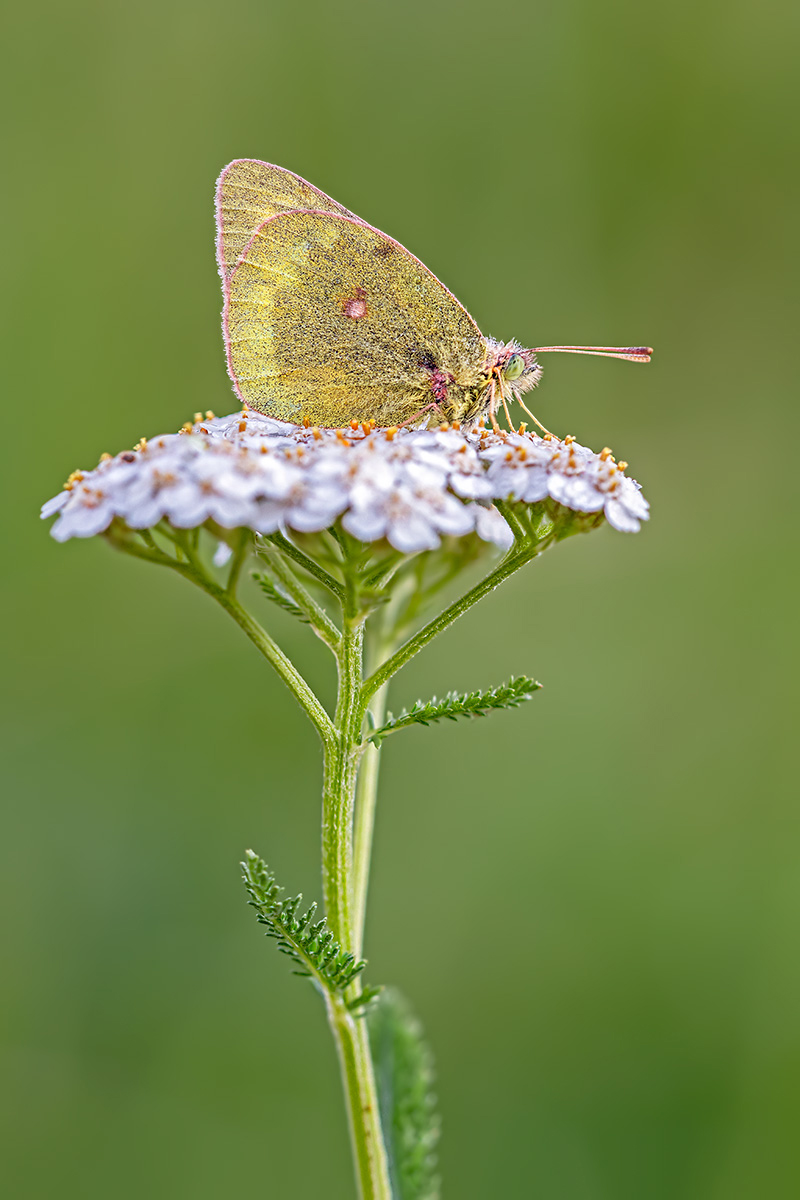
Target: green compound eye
{"x": 514, "y": 367}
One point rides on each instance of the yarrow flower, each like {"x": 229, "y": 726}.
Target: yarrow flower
{"x": 409, "y": 486}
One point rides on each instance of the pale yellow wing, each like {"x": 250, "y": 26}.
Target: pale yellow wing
{"x": 250, "y": 192}
{"x": 327, "y": 319}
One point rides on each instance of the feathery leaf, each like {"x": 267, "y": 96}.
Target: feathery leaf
{"x": 278, "y": 597}
{"x": 455, "y": 704}
{"x": 362, "y": 1004}
{"x": 309, "y": 943}
{"x": 404, "y": 1075}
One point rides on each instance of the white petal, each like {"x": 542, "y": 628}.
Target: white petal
{"x": 471, "y": 487}
{"x": 452, "y": 517}
{"x": 411, "y": 534}
{"x": 185, "y": 505}
{"x": 425, "y": 475}
{"x": 364, "y": 524}
{"x": 230, "y": 511}
{"x": 618, "y": 516}
{"x": 310, "y": 520}
{"x": 222, "y": 554}
{"x": 577, "y": 492}
{"x": 51, "y": 507}
{"x": 267, "y": 516}
{"x": 630, "y": 495}
{"x": 145, "y": 514}
{"x": 491, "y": 526}
{"x": 536, "y": 485}
{"x": 82, "y": 521}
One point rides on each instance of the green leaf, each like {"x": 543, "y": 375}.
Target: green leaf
{"x": 404, "y": 1076}
{"x": 310, "y": 944}
{"x": 278, "y": 597}
{"x": 361, "y": 1004}
{"x": 455, "y": 704}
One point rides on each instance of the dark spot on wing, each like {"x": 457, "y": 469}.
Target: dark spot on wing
{"x": 439, "y": 379}
{"x": 383, "y": 250}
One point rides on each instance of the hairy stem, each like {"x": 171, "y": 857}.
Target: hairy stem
{"x": 338, "y": 789}
{"x": 308, "y": 564}
{"x": 341, "y": 769}
{"x": 239, "y": 555}
{"x": 367, "y": 786}
{"x": 361, "y": 1098}
{"x": 366, "y": 799}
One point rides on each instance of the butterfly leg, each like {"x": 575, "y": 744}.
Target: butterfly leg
{"x": 505, "y": 407}
{"x": 433, "y": 406}
{"x": 533, "y": 418}
{"x": 492, "y": 407}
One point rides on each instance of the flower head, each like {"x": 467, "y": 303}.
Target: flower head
{"x": 410, "y": 487}
{"x": 529, "y": 468}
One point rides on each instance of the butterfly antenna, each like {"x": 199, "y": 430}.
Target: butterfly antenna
{"x": 629, "y": 353}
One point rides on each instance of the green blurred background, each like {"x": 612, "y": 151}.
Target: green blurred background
{"x": 621, "y": 854}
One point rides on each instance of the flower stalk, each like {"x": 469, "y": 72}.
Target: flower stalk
{"x": 341, "y": 768}
{"x": 366, "y": 803}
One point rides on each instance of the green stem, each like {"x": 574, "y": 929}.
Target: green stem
{"x": 366, "y": 799}
{"x": 338, "y": 789}
{"x": 382, "y": 645}
{"x": 355, "y": 1060}
{"x": 508, "y": 512}
{"x": 239, "y": 556}
{"x": 341, "y": 769}
{"x": 308, "y": 564}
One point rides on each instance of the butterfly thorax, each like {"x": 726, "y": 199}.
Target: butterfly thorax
{"x": 505, "y": 371}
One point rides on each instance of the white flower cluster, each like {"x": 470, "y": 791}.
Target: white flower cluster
{"x": 408, "y": 486}
{"x": 522, "y": 466}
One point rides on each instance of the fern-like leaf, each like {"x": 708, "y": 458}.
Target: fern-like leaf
{"x": 363, "y": 1003}
{"x": 310, "y": 944}
{"x": 404, "y": 1075}
{"x": 278, "y": 597}
{"x": 455, "y": 704}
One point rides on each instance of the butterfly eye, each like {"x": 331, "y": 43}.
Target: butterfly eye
{"x": 514, "y": 367}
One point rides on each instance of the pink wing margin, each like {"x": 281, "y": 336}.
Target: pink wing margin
{"x": 238, "y": 162}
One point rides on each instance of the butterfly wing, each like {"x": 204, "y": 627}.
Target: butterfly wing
{"x": 327, "y": 319}
{"x": 248, "y": 193}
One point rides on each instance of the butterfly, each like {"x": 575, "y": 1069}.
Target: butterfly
{"x": 327, "y": 321}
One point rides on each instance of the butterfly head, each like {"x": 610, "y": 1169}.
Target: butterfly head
{"x": 513, "y": 369}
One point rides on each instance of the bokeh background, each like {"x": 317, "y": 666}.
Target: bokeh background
{"x": 593, "y": 902}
